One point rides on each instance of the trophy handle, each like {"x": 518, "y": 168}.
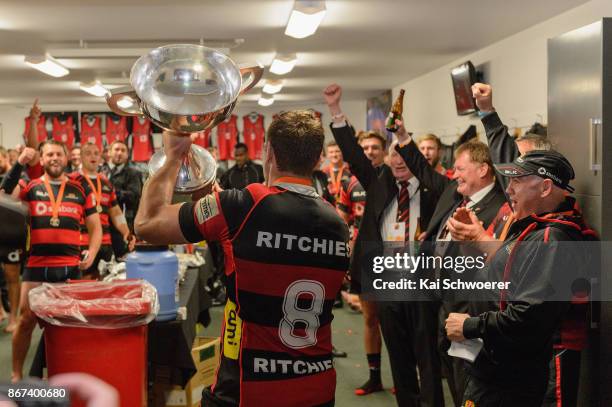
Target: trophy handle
{"x": 255, "y": 73}
{"x": 116, "y": 95}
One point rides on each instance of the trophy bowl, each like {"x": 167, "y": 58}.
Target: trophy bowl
{"x": 186, "y": 88}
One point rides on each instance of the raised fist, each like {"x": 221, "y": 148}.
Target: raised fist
{"x": 332, "y": 94}
{"x": 26, "y": 155}
{"x": 483, "y": 94}
{"x": 35, "y": 111}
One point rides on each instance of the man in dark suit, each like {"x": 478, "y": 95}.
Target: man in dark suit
{"x": 473, "y": 186}
{"x": 409, "y": 328}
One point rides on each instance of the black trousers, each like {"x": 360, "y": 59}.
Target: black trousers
{"x": 119, "y": 247}
{"x": 479, "y": 393}
{"x": 410, "y": 333}
{"x": 456, "y": 375}
{"x": 563, "y": 379}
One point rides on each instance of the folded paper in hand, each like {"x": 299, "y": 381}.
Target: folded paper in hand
{"x": 467, "y": 349}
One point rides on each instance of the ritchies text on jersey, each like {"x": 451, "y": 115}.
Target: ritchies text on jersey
{"x": 283, "y": 241}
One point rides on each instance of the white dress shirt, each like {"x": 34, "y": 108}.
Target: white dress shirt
{"x": 389, "y": 217}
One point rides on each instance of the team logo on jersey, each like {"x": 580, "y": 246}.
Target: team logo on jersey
{"x": 40, "y": 208}
{"x": 41, "y": 194}
{"x": 233, "y": 331}
{"x": 207, "y": 208}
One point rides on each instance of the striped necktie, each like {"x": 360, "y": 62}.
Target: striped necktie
{"x": 403, "y": 208}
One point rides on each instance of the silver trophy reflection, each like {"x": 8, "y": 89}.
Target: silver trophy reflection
{"x": 186, "y": 88}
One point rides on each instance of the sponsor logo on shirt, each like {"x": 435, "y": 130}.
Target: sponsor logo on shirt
{"x": 233, "y": 331}
{"x": 206, "y": 208}
{"x": 317, "y": 245}
{"x": 292, "y": 367}
{"x": 42, "y": 209}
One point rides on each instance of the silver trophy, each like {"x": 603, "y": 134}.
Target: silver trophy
{"x": 186, "y": 88}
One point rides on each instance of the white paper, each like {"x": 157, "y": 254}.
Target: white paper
{"x": 468, "y": 349}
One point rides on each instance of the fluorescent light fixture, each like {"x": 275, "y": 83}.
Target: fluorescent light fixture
{"x": 94, "y": 88}
{"x": 305, "y": 18}
{"x": 265, "y": 100}
{"x": 46, "y": 64}
{"x": 283, "y": 64}
{"x": 273, "y": 86}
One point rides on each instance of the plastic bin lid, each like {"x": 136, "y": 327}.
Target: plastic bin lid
{"x": 96, "y": 304}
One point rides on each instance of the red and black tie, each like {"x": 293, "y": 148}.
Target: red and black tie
{"x": 403, "y": 208}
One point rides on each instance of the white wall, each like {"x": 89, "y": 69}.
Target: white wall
{"x": 12, "y": 117}
{"x": 516, "y": 67}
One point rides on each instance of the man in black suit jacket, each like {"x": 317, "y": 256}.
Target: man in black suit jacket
{"x": 474, "y": 186}
{"x": 409, "y": 328}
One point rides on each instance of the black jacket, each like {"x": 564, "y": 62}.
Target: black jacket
{"x": 486, "y": 209}
{"x": 319, "y": 181}
{"x": 381, "y": 188}
{"x": 518, "y": 339}
{"x": 501, "y": 145}
{"x": 239, "y": 177}
{"x": 128, "y": 187}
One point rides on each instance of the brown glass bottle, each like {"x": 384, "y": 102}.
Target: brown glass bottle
{"x": 396, "y": 112}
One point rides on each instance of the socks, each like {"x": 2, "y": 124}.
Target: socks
{"x": 374, "y": 365}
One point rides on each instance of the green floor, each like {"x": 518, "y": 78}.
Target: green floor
{"x": 351, "y": 371}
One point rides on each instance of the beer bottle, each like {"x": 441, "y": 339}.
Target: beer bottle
{"x": 396, "y": 112}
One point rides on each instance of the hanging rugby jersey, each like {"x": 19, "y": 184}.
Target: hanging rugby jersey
{"x": 227, "y": 137}
{"x": 91, "y": 131}
{"x": 253, "y": 133}
{"x": 63, "y": 131}
{"x": 283, "y": 273}
{"x": 203, "y": 139}
{"x": 105, "y": 198}
{"x": 56, "y": 244}
{"x": 116, "y": 130}
{"x": 41, "y": 127}
{"x": 142, "y": 140}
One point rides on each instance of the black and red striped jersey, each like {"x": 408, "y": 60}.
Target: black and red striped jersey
{"x": 352, "y": 201}
{"x": 106, "y": 198}
{"x": 56, "y": 246}
{"x": 286, "y": 254}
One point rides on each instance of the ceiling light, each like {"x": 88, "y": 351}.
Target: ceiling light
{"x": 283, "y": 64}
{"x": 305, "y": 18}
{"x": 46, "y": 64}
{"x": 273, "y": 86}
{"x": 94, "y": 88}
{"x": 265, "y": 100}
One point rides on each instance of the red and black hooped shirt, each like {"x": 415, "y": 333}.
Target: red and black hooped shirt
{"x": 56, "y": 246}
{"x": 286, "y": 254}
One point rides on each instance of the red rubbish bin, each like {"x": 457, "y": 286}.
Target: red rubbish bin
{"x": 99, "y": 328}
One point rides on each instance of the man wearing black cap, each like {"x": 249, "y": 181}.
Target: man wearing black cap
{"x": 517, "y": 333}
